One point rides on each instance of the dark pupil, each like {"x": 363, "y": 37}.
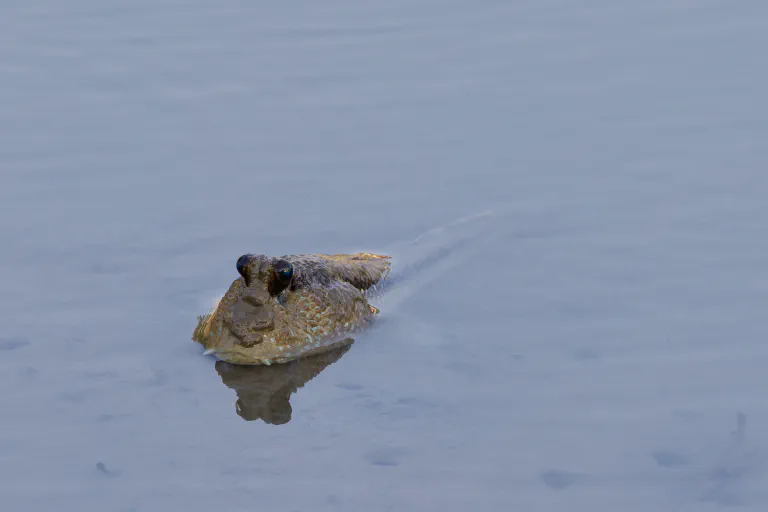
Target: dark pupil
{"x": 285, "y": 273}
{"x": 242, "y": 261}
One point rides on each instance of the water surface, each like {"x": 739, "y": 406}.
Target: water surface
{"x": 600, "y": 346}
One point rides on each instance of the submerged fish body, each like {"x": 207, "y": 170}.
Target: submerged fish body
{"x": 284, "y": 308}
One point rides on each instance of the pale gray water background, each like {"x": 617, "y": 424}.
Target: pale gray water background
{"x": 592, "y": 355}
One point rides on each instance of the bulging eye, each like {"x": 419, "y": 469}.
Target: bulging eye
{"x": 283, "y": 271}
{"x": 242, "y": 262}
{"x": 243, "y": 269}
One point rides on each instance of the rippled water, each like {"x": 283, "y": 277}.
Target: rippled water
{"x": 598, "y": 344}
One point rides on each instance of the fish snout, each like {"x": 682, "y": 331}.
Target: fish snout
{"x": 251, "y": 317}
{"x": 255, "y": 299}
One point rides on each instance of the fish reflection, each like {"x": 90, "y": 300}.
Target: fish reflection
{"x": 263, "y": 392}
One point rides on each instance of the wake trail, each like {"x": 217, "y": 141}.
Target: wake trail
{"x": 418, "y": 262}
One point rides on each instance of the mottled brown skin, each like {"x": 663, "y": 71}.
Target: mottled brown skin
{"x": 281, "y": 309}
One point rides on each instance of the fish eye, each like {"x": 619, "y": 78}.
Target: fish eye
{"x": 242, "y": 268}
{"x": 283, "y": 271}
{"x": 242, "y": 261}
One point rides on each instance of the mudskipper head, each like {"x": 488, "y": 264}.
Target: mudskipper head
{"x": 262, "y": 274}
{"x": 246, "y": 312}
